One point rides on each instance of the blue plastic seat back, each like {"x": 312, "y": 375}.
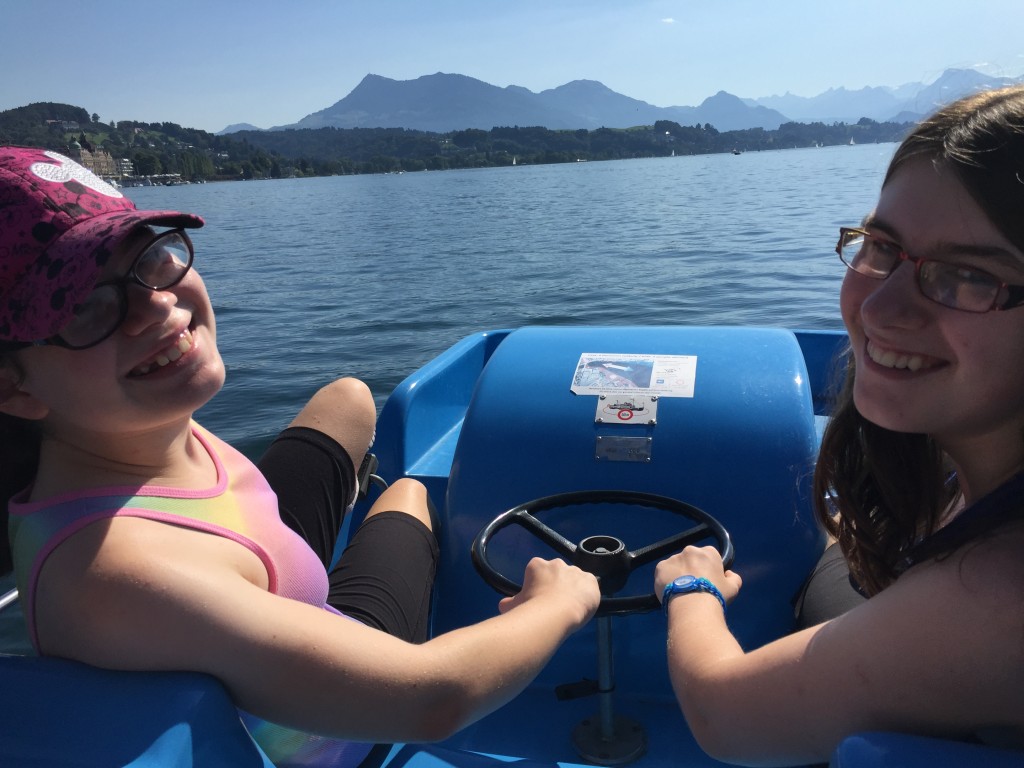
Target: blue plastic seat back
{"x": 57, "y": 712}
{"x": 741, "y": 448}
{"x": 898, "y": 750}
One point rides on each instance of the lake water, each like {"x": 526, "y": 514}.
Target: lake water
{"x": 371, "y": 276}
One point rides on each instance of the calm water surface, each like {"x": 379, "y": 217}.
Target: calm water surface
{"x": 371, "y": 276}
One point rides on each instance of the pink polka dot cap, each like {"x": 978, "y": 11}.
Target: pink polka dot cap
{"x": 59, "y": 223}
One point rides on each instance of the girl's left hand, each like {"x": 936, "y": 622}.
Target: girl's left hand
{"x": 702, "y": 562}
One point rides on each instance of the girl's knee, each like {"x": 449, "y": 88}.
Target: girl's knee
{"x": 405, "y": 495}
{"x": 345, "y": 411}
{"x": 346, "y": 394}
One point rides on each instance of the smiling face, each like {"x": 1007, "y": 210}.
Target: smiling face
{"x": 923, "y": 367}
{"x": 157, "y": 368}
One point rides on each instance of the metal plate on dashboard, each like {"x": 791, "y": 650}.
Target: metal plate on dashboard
{"x": 622, "y": 448}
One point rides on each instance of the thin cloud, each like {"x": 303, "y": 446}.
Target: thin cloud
{"x": 668, "y": 21}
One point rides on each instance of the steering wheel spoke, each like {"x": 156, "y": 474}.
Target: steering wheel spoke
{"x": 542, "y": 531}
{"x": 676, "y": 542}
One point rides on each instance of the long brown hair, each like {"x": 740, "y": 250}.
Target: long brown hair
{"x": 878, "y": 491}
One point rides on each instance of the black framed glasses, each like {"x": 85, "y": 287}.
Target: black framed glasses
{"x": 952, "y": 285}
{"x": 161, "y": 264}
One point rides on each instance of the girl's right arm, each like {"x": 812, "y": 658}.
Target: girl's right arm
{"x": 138, "y": 595}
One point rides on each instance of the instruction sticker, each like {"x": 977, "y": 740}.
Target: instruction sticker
{"x": 604, "y": 373}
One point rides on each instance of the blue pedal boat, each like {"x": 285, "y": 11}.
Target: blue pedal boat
{"x": 604, "y": 445}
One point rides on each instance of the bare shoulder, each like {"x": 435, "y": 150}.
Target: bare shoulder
{"x": 942, "y": 645}
{"x": 122, "y": 583}
{"x": 982, "y": 582}
{"x": 987, "y": 576}
{"x": 147, "y": 552}
{"x": 950, "y": 630}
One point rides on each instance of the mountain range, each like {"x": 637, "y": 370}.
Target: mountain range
{"x": 448, "y": 102}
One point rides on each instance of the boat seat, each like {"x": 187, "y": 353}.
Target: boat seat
{"x": 741, "y": 448}
{"x": 864, "y": 750}
{"x": 59, "y": 712}
{"x": 898, "y": 750}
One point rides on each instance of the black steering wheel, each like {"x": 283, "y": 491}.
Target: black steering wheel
{"x": 604, "y": 556}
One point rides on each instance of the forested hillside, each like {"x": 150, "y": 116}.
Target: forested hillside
{"x": 153, "y": 148}
{"x": 168, "y": 148}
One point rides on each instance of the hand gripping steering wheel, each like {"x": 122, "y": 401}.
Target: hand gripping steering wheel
{"x": 604, "y": 556}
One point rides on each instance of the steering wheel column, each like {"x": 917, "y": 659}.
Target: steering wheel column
{"x": 607, "y": 738}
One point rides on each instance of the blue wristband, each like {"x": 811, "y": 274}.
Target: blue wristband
{"x": 685, "y": 585}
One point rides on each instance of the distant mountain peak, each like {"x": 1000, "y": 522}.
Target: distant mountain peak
{"x": 236, "y": 127}
{"x": 586, "y": 83}
{"x": 721, "y": 96}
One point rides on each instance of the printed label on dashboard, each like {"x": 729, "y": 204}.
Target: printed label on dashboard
{"x": 606, "y": 373}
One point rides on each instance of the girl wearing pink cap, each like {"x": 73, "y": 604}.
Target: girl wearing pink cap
{"x": 142, "y": 542}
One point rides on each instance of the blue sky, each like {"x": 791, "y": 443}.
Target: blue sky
{"x": 210, "y": 63}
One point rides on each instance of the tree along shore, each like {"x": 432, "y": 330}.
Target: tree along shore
{"x": 194, "y": 155}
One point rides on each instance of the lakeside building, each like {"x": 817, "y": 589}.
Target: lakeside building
{"x": 99, "y": 161}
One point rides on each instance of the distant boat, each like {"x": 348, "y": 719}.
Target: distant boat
{"x": 736, "y": 152}
{"x": 513, "y": 159}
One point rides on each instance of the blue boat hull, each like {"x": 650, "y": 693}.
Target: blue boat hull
{"x": 492, "y": 423}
